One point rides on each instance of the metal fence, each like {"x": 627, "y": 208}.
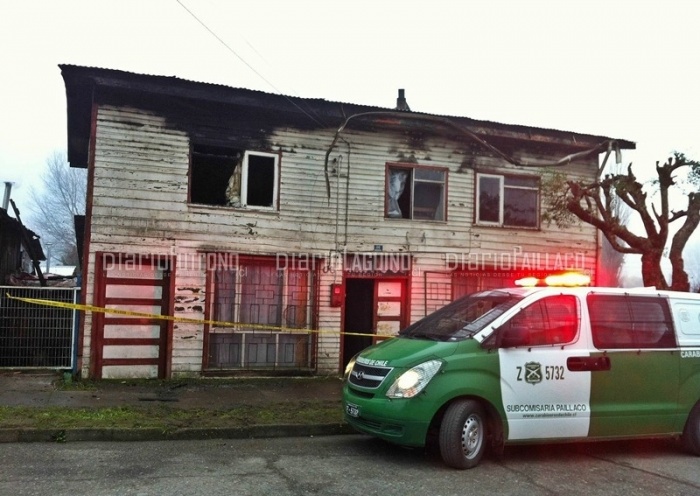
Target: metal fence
{"x": 37, "y": 336}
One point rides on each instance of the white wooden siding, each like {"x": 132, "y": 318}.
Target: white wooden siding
{"x": 140, "y": 206}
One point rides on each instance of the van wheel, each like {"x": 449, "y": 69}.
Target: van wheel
{"x": 691, "y": 433}
{"x": 463, "y": 434}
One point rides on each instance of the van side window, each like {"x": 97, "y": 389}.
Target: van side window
{"x": 624, "y": 321}
{"x": 550, "y": 321}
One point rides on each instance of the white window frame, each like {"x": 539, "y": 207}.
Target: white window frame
{"x": 411, "y": 183}
{"x": 501, "y": 199}
{"x": 244, "y": 180}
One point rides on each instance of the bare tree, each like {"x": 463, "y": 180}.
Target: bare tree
{"x": 53, "y": 207}
{"x": 612, "y": 260}
{"x": 593, "y": 203}
{"x": 692, "y": 259}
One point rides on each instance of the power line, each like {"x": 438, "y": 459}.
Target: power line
{"x": 317, "y": 121}
{"x": 226, "y": 45}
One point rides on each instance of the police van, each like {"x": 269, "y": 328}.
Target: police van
{"x": 534, "y": 364}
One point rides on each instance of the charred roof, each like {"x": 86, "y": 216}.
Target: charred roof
{"x": 183, "y": 101}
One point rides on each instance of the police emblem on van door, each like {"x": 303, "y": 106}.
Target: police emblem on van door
{"x": 533, "y": 373}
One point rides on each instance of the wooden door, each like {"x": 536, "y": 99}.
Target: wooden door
{"x": 390, "y": 308}
{"x": 130, "y": 346}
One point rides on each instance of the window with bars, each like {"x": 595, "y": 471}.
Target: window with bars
{"x": 267, "y": 311}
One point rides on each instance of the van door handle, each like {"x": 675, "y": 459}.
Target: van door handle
{"x": 586, "y": 364}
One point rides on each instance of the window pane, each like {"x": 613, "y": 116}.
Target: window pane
{"x": 562, "y": 319}
{"x": 531, "y": 322}
{"x": 398, "y": 193}
{"x": 261, "y": 181}
{"x": 225, "y": 295}
{"x": 428, "y": 201}
{"x": 260, "y": 350}
{"x": 429, "y": 174}
{"x": 489, "y": 199}
{"x": 225, "y": 350}
{"x": 296, "y": 309}
{"x": 651, "y": 323}
{"x": 630, "y": 322}
{"x": 261, "y": 295}
{"x": 294, "y": 350}
{"x": 610, "y": 321}
{"x": 521, "y": 181}
{"x": 520, "y": 207}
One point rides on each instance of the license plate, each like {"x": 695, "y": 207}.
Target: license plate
{"x": 352, "y": 410}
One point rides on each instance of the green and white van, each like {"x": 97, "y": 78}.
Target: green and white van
{"x": 538, "y": 364}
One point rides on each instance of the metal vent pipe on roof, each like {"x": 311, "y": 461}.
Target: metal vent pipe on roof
{"x": 401, "y": 103}
{"x": 6, "y": 198}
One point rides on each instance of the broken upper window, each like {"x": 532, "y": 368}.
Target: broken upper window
{"x": 415, "y": 192}
{"x": 234, "y": 178}
{"x": 511, "y": 201}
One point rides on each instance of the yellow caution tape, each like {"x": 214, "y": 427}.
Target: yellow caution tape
{"x": 216, "y": 323}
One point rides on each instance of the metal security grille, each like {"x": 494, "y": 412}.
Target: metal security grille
{"x": 268, "y": 304}
{"x": 37, "y": 336}
{"x": 437, "y": 290}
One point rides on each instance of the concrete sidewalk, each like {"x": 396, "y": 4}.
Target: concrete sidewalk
{"x": 42, "y": 390}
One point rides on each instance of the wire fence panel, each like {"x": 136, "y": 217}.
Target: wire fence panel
{"x": 37, "y": 336}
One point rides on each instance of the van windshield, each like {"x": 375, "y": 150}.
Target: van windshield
{"x": 462, "y": 318}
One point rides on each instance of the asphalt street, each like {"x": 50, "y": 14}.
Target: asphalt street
{"x": 339, "y": 465}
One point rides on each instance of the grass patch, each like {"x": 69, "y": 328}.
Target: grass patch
{"x": 70, "y": 383}
{"x": 159, "y": 405}
{"x": 168, "y": 418}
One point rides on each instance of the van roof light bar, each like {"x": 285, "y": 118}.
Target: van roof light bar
{"x": 567, "y": 279}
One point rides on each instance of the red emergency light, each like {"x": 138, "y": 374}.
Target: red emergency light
{"x": 568, "y": 279}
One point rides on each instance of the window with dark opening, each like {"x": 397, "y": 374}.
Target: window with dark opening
{"x": 232, "y": 177}
{"x": 212, "y": 169}
{"x": 415, "y": 193}
{"x": 259, "y": 180}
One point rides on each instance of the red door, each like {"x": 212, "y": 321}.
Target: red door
{"x": 131, "y": 346}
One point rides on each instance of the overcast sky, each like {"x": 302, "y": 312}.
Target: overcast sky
{"x": 622, "y": 69}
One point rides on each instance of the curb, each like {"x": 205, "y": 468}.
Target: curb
{"x": 187, "y": 434}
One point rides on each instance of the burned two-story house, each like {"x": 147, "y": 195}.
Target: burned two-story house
{"x": 231, "y": 231}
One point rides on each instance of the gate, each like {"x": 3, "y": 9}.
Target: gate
{"x": 36, "y": 336}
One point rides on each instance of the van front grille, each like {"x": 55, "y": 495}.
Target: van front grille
{"x": 368, "y": 377}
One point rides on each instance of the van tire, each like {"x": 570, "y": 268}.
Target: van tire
{"x": 463, "y": 436}
{"x": 691, "y": 433}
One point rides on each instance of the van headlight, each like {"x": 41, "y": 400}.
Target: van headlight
{"x": 349, "y": 367}
{"x": 414, "y": 380}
